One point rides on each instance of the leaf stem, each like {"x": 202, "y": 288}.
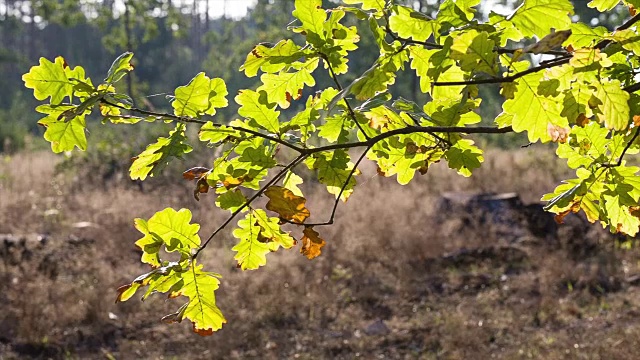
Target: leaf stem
{"x": 624, "y": 151}
{"x": 342, "y": 189}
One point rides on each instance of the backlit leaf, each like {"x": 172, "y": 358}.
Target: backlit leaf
{"x": 254, "y": 105}
{"x": 201, "y": 310}
{"x": 533, "y": 112}
{"x": 288, "y": 205}
{"x": 119, "y": 68}
{"x": 157, "y": 155}
{"x": 603, "y": 5}
{"x": 408, "y": 23}
{"x": 538, "y": 17}
{"x": 614, "y": 107}
{"x": 464, "y": 157}
{"x": 251, "y": 251}
{"x": 312, "y": 243}
{"x": 49, "y": 80}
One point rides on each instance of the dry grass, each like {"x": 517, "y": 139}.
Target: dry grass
{"x": 398, "y": 278}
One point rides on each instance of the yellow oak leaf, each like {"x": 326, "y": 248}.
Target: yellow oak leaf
{"x": 288, "y": 205}
{"x": 311, "y": 243}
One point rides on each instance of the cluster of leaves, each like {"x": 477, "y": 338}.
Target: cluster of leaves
{"x": 582, "y": 98}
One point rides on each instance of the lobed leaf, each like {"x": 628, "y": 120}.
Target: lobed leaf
{"x": 49, "y": 80}
{"x": 157, "y": 155}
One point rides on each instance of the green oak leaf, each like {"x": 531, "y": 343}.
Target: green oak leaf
{"x": 629, "y": 39}
{"x": 284, "y": 87}
{"x": 192, "y": 99}
{"x": 65, "y": 135}
{"x": 377, "y": 78}
{"x": 231, "y": 200}
{"x": 456, "y": 13}
{"x": 201, "y": 310}
{"x": 272, "y": 232}
{"x": 336, "y": 128}
{"x": 585, "y": 146}
{"x": 538, "y": 17}
{"x": 533, "y": 112}
{"x": 452, "y": 74}
{"x": 157, "y": 155}
{"x": 333, "y": 170}
{"x": 149, "y": 244}
{"x": 343, "y": 41}
{"x": 464, "y": 157}
{"x": 291, "y": 182}
{"x": 312, "y": 17}
{"x": 474, "y": 51}
{"x": 420, "y": 63}
{"x": 583, "y": 35}
{"x": 576, "y": 102}
{"x": 217, "y": 96}
{"x": 452, "y": 112}
{"x": 613, "y": 106}
{"x": 377, "y": 5}
{"x": 259, "y": 157}
{"x": 271, "y": 59}
{"x": 252, "y": 249}
{"x": 49, "y": 80}
{"x": 506, "y": 29}
{"x": 619, "y": 215}
{"x": 216, "y": 134}
{"x": 603, "y": 5}
{"x": 175, "y": 230}
{"x": 411, "y": 24}
{"x": 254, "y": 105}
{"x": 120, "y": 67}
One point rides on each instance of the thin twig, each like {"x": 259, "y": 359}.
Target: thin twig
{"x": 506, "y": 79}
{"x": 415, "y": 130}
{"x": 544, "y": 65}
{"x": 337, "y": 201}
{"x": 498, "y": 50}
{"x": 349, "y": 108}
{"x": 624, "y": 151}
{"x": 258, "y": 193}
{"x": 186, "y": 119}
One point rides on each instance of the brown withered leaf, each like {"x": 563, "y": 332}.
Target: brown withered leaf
{"x": 288, "y": 205}
{"x": 559, "y": 218}
{"x": 202, "y": 186}
{"x": 636, "y": 120}
{"x": 558, "y": 133}
{"x": 290, "y": 97}
{"x": 634, "y": 211}
{"x": 312, "y": 243}
{"x": 380, "y": 172}
{"x": 582, "y": 120}
{"x": 202, "y": 332}
{"x": 195, "y": 173}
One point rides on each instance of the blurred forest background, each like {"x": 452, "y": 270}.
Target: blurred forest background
{"x": 173, "y": 40}
{"x": 431, "y": 270}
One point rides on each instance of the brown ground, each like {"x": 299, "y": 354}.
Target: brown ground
{"x": 405, "y": 274}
